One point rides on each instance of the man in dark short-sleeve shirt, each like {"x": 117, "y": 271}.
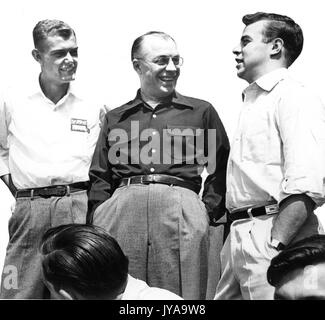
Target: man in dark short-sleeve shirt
{"x": 146, "y": 174}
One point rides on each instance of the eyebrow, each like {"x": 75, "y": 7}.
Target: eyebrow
{"x": 167, "y": 56}
{"x": 64, "y": 50}
{"x": 246, "y": 37}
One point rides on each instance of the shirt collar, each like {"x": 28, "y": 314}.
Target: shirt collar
{"x": 35, "y": 89}
{"x": 176, "y": 98}
{"x": 271, "y": 79}
{"x": 268, "y": 81}
{"x": 132, "y": 289}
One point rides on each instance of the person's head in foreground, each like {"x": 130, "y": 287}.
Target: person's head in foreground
{"x": 269, "y": 41}
{"x": 298, "y": 272}
{"x": 83, "y": 262}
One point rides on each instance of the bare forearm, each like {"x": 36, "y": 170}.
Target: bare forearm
{"x": 293, "y": 214}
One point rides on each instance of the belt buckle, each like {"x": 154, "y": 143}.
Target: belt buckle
{"x": 61, "y": 191}
{"x": 149, "y": 179}
{"x": 272, "y": 208}
{"x": 45, "y": 193}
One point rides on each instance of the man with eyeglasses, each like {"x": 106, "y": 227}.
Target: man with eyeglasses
{"x": 48, "y": 133}
{"x": 146, "y": 174}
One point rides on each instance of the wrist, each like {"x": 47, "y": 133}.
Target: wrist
{"x": 278, "y": 245}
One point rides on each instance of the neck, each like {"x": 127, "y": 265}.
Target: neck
{"x": 267, "y": 69}
{"x": 53, "y": 91}
{"x": 153, "y": 101}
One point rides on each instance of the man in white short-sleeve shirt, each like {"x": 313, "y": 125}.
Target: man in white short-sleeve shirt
{"x": 47, "y": 137}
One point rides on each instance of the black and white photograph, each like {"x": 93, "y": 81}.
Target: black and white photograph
{"x": 162, "y": 150}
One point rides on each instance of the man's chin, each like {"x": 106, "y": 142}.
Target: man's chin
{"x": 167, "y": 90}
{"x": 68, "y": 78}
{"x": 240, "y": 74}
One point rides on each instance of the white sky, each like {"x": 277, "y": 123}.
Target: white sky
{"x": 205, "y": 31}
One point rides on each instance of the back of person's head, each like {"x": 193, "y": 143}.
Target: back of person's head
{"x": 308, "y": 251}
{"x": 279, "y": 26}
{"x": 136, "y": 47}
{"x": 46, "y": 28}
{"x": 83, "y": 259}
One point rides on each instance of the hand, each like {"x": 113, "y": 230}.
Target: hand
{"x": 13, "y": 207}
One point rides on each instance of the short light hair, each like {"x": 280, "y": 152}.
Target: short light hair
{"x": 136, "y": 47}
{"x": 46, "y": 28}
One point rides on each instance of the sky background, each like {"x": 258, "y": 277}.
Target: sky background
{"x": 206, "y": 31}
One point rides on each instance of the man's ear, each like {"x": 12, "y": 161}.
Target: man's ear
{"x": 65, "y": 295}
{"x": 36, "y": 55}
{"x": 277, "y": 46}
{"x": 137, "y": 66}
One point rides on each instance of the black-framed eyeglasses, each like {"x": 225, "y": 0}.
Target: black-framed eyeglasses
{"x": 163, "y": 61}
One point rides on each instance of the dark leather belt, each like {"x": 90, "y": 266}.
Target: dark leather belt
{"x": 160, "y": 178}
{"x": 53, "y": 191}
{"x": 254, "y": 212}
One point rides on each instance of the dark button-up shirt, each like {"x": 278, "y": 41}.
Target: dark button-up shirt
{"x": 172, "y": 138}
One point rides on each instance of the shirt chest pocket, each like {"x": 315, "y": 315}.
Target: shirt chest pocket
{"x": 179, "y": 142}
{"x": 79, "y": 138}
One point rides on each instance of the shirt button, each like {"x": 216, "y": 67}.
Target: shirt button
{"x": 152, "y": 169}
{"x": 154, "y": 116}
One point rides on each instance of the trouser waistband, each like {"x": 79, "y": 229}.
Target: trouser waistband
{"x": 160, "y": 178}
{"x": 53, "y": 191}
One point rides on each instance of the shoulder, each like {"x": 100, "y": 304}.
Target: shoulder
{"x": 122, "y": 108}
{"x": 293, "y": 94}
{"x": 193, "y": 102}
{"x": 114, "y": 114}
{"x": 137, "y": 289}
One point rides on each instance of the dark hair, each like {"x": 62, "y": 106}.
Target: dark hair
{"x": 138, "y": 41}
{"x": 283, "y": 27}
{"x": 84, "y": 258}
{"x": 45, "y": 28}
{"x": 305, "y": 252}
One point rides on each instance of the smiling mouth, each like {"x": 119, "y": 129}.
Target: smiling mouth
{"x": 167, "y": 79}
{"x": 238, "y": 62}
{"x": 68, "y": 67}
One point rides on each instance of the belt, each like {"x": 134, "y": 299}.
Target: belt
{"x": 53, "y": 191}
{"x": 160, "y": 178}
{"x": 254, "y": 212}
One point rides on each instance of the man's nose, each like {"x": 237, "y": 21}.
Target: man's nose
{"x": 236, "y": 50}
{"x": 69, "y": 57}
{"x": 171, "y": 65}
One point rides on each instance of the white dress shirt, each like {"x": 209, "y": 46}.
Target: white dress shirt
{"x": 42, "y": 143}
{"x": 138, "y": 290}
{"x": 279, "y": 146}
